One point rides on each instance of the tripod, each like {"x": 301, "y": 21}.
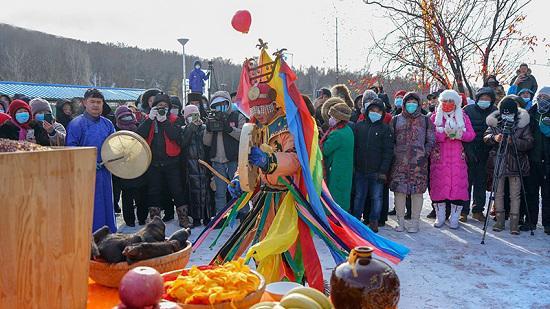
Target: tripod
{"x": 212, "y": 79}
{"x": 500, "y": 164}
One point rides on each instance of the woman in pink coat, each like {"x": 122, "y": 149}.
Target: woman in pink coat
{"x": 448, "y": 170}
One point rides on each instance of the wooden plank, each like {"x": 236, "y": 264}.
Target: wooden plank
{"x": 46, "y": 211}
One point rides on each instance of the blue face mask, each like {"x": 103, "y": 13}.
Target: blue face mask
{"x": 411, "y": 107}
{"x": 398, "y": 102}
{"x": 221, "y": 107}
{"x": 484, "y": 104}
{"x": 374, "y": 116}
{"x": 22, "y": 117}
{"x": 39, "y": 117}
{"x": 526, "y": 100}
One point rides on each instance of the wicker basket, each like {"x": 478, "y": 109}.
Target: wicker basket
{"x": 110, "y": 274}
{"x": 250, "y": 300}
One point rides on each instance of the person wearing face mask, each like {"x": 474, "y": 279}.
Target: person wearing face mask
{"x": 539, "y": 160}
{"x": 197, "y": 77}
{"x": 223, "y": 142}
{"x": 196, "y": 176}
{"x": 134, "y": 191}
{"x": 20, "y": 113}
{"x": 413, "y": 142}
{"x": 163, "y": 135}
{"x": 4, "y": 103}
{"x": 398, "y": 102}
{"x": 47, "y": 131}
{"x": 372, "y": 160}
{"x": 448, "y": 168}
{"x": 337, "y": 148}
{"x": 508, "y": 110}
{"x": 477, "y": 153}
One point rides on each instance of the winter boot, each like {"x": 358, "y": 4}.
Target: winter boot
{"x": 440, "y": 211}
{"x": 400, "y": 214}
{"x": 413, "y": 226}
{"x": 454, "y": 217}
{"x": 463, "y": 218}
{"x": 154, "y": 212}
{"x": 499, "y": 225}
{"x": 431, "y": 215}
{"x": 183, "y": 218}
{"x": 479, "y": 216}
{"x": 374, "y": 226}
{"x": 415, "y": 218}
{"x": 514, "y": 224}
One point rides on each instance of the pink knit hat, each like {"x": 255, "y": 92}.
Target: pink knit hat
{"x": 190, "y": 109}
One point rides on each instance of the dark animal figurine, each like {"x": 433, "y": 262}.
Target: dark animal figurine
{"x": 110, "y": 246}
{"x": 149, "y": 250}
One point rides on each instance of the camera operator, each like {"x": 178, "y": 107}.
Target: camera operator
{"x": 223, "y": 132}
{"x": 512, "y": 123}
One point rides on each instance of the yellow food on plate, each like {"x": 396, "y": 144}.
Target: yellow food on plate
{"x": 230, "y": 282}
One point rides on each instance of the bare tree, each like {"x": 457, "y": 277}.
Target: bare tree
{"x": 453, "y": 42}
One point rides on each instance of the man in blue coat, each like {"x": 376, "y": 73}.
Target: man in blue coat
{"x": 197, "y": 78}
{"x": 91, "y": 129}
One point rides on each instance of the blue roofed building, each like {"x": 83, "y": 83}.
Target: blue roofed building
{"x": 53, "y": 92}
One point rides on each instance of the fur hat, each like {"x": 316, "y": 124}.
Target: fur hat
{"x": 161, "y": 97}
{"x": 190, "y": 109}
{"x": 342, "y": 92}
{"x": 368, "y": 96}
{"x": 328, "y": 104}
{"x": 509, "y": 104}
{"x": 145, "y": 98}
{"x": 456, "y": 117}
{"x": 450, "y": 94}
{"x": 340, "y": 111}
{"x": 40, "y": 105}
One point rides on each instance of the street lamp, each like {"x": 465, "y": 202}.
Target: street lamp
{"x": 184, "y": 85}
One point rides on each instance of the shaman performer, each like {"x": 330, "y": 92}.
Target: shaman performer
{"x": 290, "y": 200}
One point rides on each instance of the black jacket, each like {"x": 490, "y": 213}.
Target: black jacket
{"x": 196, "y": 176}
{"x": 476, "y": 150}
{"x": 373, "y": 147}
{"x": 158, "y": 145}
{"x": 541, "y": 147}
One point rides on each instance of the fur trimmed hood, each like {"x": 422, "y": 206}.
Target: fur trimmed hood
{"x": 327, "y": 105}
{"x": 522, "y": 121}
{"x": 342, "y": 92}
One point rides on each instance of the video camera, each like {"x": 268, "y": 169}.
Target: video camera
{"x": 215, "y": 120}
{"x": 507, "y": 124}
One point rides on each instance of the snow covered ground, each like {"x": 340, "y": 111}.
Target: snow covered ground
{"x": 449, "y": 268}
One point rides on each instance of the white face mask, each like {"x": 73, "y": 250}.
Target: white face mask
{"x": 189, "y": 119}
{"x": 197, "y": 67}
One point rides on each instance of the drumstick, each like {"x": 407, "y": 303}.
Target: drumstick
{"x": 227, "y": 181}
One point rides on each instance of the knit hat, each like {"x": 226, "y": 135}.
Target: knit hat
{"x": 328, "y": 104}
{"x": 542, "y": 99}
{"x": 509, "y": 104}
{"x": 375, "y": 103}
{"x": 17, "y": 104}
{"x": 122, "y": 111}
{"x": 486, "y": 91}
{"x": 190, "y": 109}
{"x": 40, "y": 105}
{"x": 125, "y": 119}
{"x": 400, "y": 93}
{"x": 161, "y": 97}
{"x": 368, "y": 96}
{"x": 340, "y": 111}
{"x": 3, "y": 118}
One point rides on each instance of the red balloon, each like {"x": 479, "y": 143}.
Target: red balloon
{"x": 241, "y": 21}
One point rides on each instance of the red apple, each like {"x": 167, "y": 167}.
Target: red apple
{"x": 141, "y": 287}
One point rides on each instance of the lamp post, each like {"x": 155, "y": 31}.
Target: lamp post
{"x": 184, "y": 84}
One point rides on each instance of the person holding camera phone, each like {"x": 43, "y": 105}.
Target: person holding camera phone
{"x": 222, "y": 135}
{"x": 524, "y": 79}
{"x": 509, "y": 117}
{"x": 163, "y": 134}
{"x": 47, "y": 131}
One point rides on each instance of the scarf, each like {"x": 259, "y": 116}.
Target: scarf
{"x": 453, "y": 120}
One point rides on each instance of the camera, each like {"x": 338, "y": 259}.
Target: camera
{"x": 507, "y": 124}
{"x": 162, "y": 111}
{"x": 215, "y": 121}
